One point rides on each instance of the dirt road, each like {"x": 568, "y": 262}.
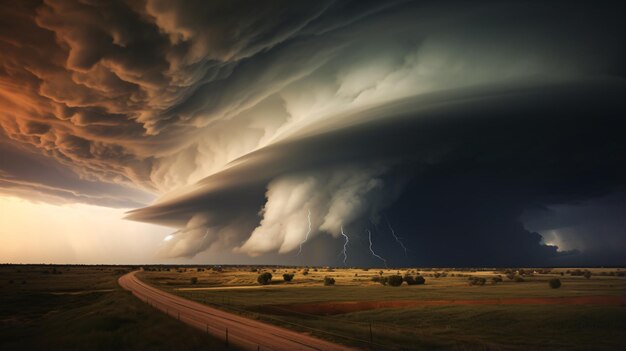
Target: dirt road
{"x": 235, "y": 330}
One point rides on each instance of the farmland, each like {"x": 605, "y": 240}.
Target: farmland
{"x": 55, "y": 307}
{"x": 450, "y": 310}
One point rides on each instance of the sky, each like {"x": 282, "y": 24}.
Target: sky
{"x": 399, "y": 133}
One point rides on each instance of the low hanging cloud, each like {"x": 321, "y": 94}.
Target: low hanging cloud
{"x": 417, "y": 156}
{"x": 327, "y": 199}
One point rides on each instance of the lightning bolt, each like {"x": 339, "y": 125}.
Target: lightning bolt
{"x": 345, "y": 246}
{"x": 205, "y": 234}
{"x": 369, "y": 235}
{"x": 171, "y": 236}
{"x": 393, "y": 232}
{"x": 307, "y": 233}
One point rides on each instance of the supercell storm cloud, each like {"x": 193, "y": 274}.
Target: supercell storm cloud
{"x": 467, "y": 134}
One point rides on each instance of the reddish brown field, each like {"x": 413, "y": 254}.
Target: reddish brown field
{"x": 330, "y": 308}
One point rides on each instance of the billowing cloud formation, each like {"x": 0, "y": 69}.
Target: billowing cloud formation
{"x": 336, "y": 197}
{"x": 419, "y": 161}
{"x": 122, "y": 92}
{"x": 291, "y": 107}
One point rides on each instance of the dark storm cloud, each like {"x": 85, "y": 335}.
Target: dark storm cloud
{"x": 323, "y": 107}
{"x": 114, "y": 90}
{"x": 470, "y": 162}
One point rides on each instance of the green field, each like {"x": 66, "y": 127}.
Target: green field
{"x": 83, "y": 308}
{"x": 473, "y": 327}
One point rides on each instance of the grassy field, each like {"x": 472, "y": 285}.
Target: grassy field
{"x": 504, "y": 325}
{"x": 83, "y": 308}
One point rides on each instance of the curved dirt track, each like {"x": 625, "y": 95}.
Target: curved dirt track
{"x": 238, "y": 331}
{"x": 329, "y": 308}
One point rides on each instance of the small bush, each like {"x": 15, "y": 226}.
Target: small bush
{"x": 329, "y": 281}
{"x": 409, "y": 279}
{"x": 194, "y": 280}
{"x": 519, "y": 279}
{"x": 395, "y": 280}
{"x": 510, "y": 275}
{"x": 477, "y": 281}
{"x": 496, "y": 280}
{"x": 305, "y": 273}
{"x": 555, "y": 283}
{"x": 264, "y": 278}
{"x": 419, "y": 280}
{"x": 587, "y": 274}
{"x": 287, "y": 277}
{"x": 379, "y": 279}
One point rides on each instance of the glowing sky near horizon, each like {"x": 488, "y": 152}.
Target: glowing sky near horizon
{"x": 72, "y": 233}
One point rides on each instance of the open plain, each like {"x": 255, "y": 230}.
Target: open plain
{"x": 448, "y": 311}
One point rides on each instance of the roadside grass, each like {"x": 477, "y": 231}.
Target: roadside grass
{"x": 83, "y": 308}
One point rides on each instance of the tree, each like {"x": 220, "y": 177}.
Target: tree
{"x": 409, "y": 279}
{"x": 395, "y": 280}
{"x": 555, "y": 283}
{"x": 264, "y": 278}
{"x": 329, "y": 281}
{"x": 287, "y": 277}
{"x": 477, "y": 281}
